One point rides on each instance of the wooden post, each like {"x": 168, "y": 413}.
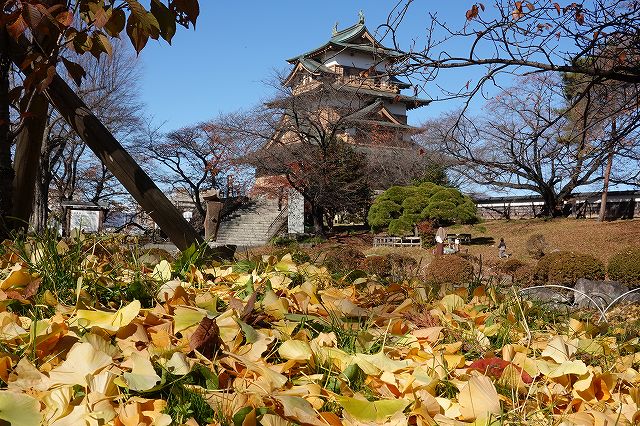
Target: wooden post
{"x": 212, "y": 219}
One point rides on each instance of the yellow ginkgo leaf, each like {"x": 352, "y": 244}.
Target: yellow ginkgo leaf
{"x": 142, "y": 376}
{"x": 553, "y": 370}
{"x": 83, "y": 361}
{"x": 372, "y": 411}
{"x": 111, "y": 321}
{"x": 296, "y": 350}
{"x": 478, "y": 399}
{"x": 19, "y": 409}
{"x": 451, "y": 302}
{"x": 560, "y": 349}
{"x": 18, "y": 277}
{"x": 162, "y": 271}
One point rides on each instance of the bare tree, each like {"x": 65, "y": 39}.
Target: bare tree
{"x": 66, "y": 166}
{"x": 524, "y": 142}
{"x": 596, "y": 41}
{"x": 196, "y": 158}
{"x": 308, "y": 140}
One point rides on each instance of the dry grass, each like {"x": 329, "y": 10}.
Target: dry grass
{"x": 585, "y": 236}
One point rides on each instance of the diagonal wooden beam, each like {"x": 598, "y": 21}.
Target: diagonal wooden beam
{"x": 100, "y": 140}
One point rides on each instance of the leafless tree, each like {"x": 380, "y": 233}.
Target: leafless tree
{"x": 314, "y": 141}
{"x": 596, "y": 41}
{"x": 524, "y": 142}
{"x": 67, "y": 169}
{"x": 195, "y": 159}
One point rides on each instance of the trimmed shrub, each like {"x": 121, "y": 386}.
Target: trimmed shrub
{"x": 400, "y": 227}
{"x": 624, "y": 266}
{"x": 382, "y": 212}
{"x": 390, "y": 265}
{"x": 520, "y": 272}
{"x": 565, "y": 267}
{"x": 536, "y": 246}
{"x": 401, "y": 207}
{"x": 510, "y": 266}
{"x": 344, "y": 259}
{"x": 449, "y": 269}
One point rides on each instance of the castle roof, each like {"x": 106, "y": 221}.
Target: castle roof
{"x": 356, "y": 37}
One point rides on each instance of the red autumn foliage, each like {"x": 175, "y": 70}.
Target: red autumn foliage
{"x": 494, "y": 366}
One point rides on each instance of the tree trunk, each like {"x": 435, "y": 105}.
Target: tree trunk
{"x": 318, "y": 220}
{"x": 607, "y": 173}
{"x": 100, "y": 140}
{"x": 27, "y": 161}
{"x": 6, "y": 168}
{"x": 552, "y": 206}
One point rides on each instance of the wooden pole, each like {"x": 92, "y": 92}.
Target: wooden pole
{"x": 100, "y": 140}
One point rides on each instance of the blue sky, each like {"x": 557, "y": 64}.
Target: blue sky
{"x": 222, "y": 65}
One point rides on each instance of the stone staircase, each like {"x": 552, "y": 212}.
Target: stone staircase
{"x": 251, "y": 225}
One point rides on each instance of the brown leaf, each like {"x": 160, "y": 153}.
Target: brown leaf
{"x": 206, "y": 338}
{"x": 17, "y": 27}
{"x": 116, "y": 23}
{"x": 186, "y": 11}
{"x": 531, "y": 7}
{"x": 65, "y": 18}
{"x": 76, "y": 72}
{"x": 557, "y": 6}
{"x": 472, "y": 13}
{"x": 32, "y": 288}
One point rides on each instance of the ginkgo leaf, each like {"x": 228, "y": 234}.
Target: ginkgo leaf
{"x": 162, "y": 271}
{"x": 296, "y": 350}
{"x": 19, "y": 409}
{"x": 478, "y": 399}
{"x": 18, "y": 277}
{"x": 451, "y": 302}
{"x": 553, "y": 370}
{"x": 560, "y": 349}
{"x": 299, "y": 410}
{"x": 83, "y": 361}
{"x": 186, "y": 316}
{"x": 111, "y": 321}
{"x": 383, "y": 362}
{"x": 142, "y": 376}
{"x": 372, "y": 411}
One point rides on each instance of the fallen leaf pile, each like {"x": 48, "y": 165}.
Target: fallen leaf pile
{"x": 288, "y": 343}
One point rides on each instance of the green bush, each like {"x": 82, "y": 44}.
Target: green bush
{"x": 450, "y": 269}
{"x": 624, "y": 266}
{"x": 400, "y": 227}
{"x": 382, "y": 212}
{"x": 401, "y": 207}
{"x": 565, "y": 268}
